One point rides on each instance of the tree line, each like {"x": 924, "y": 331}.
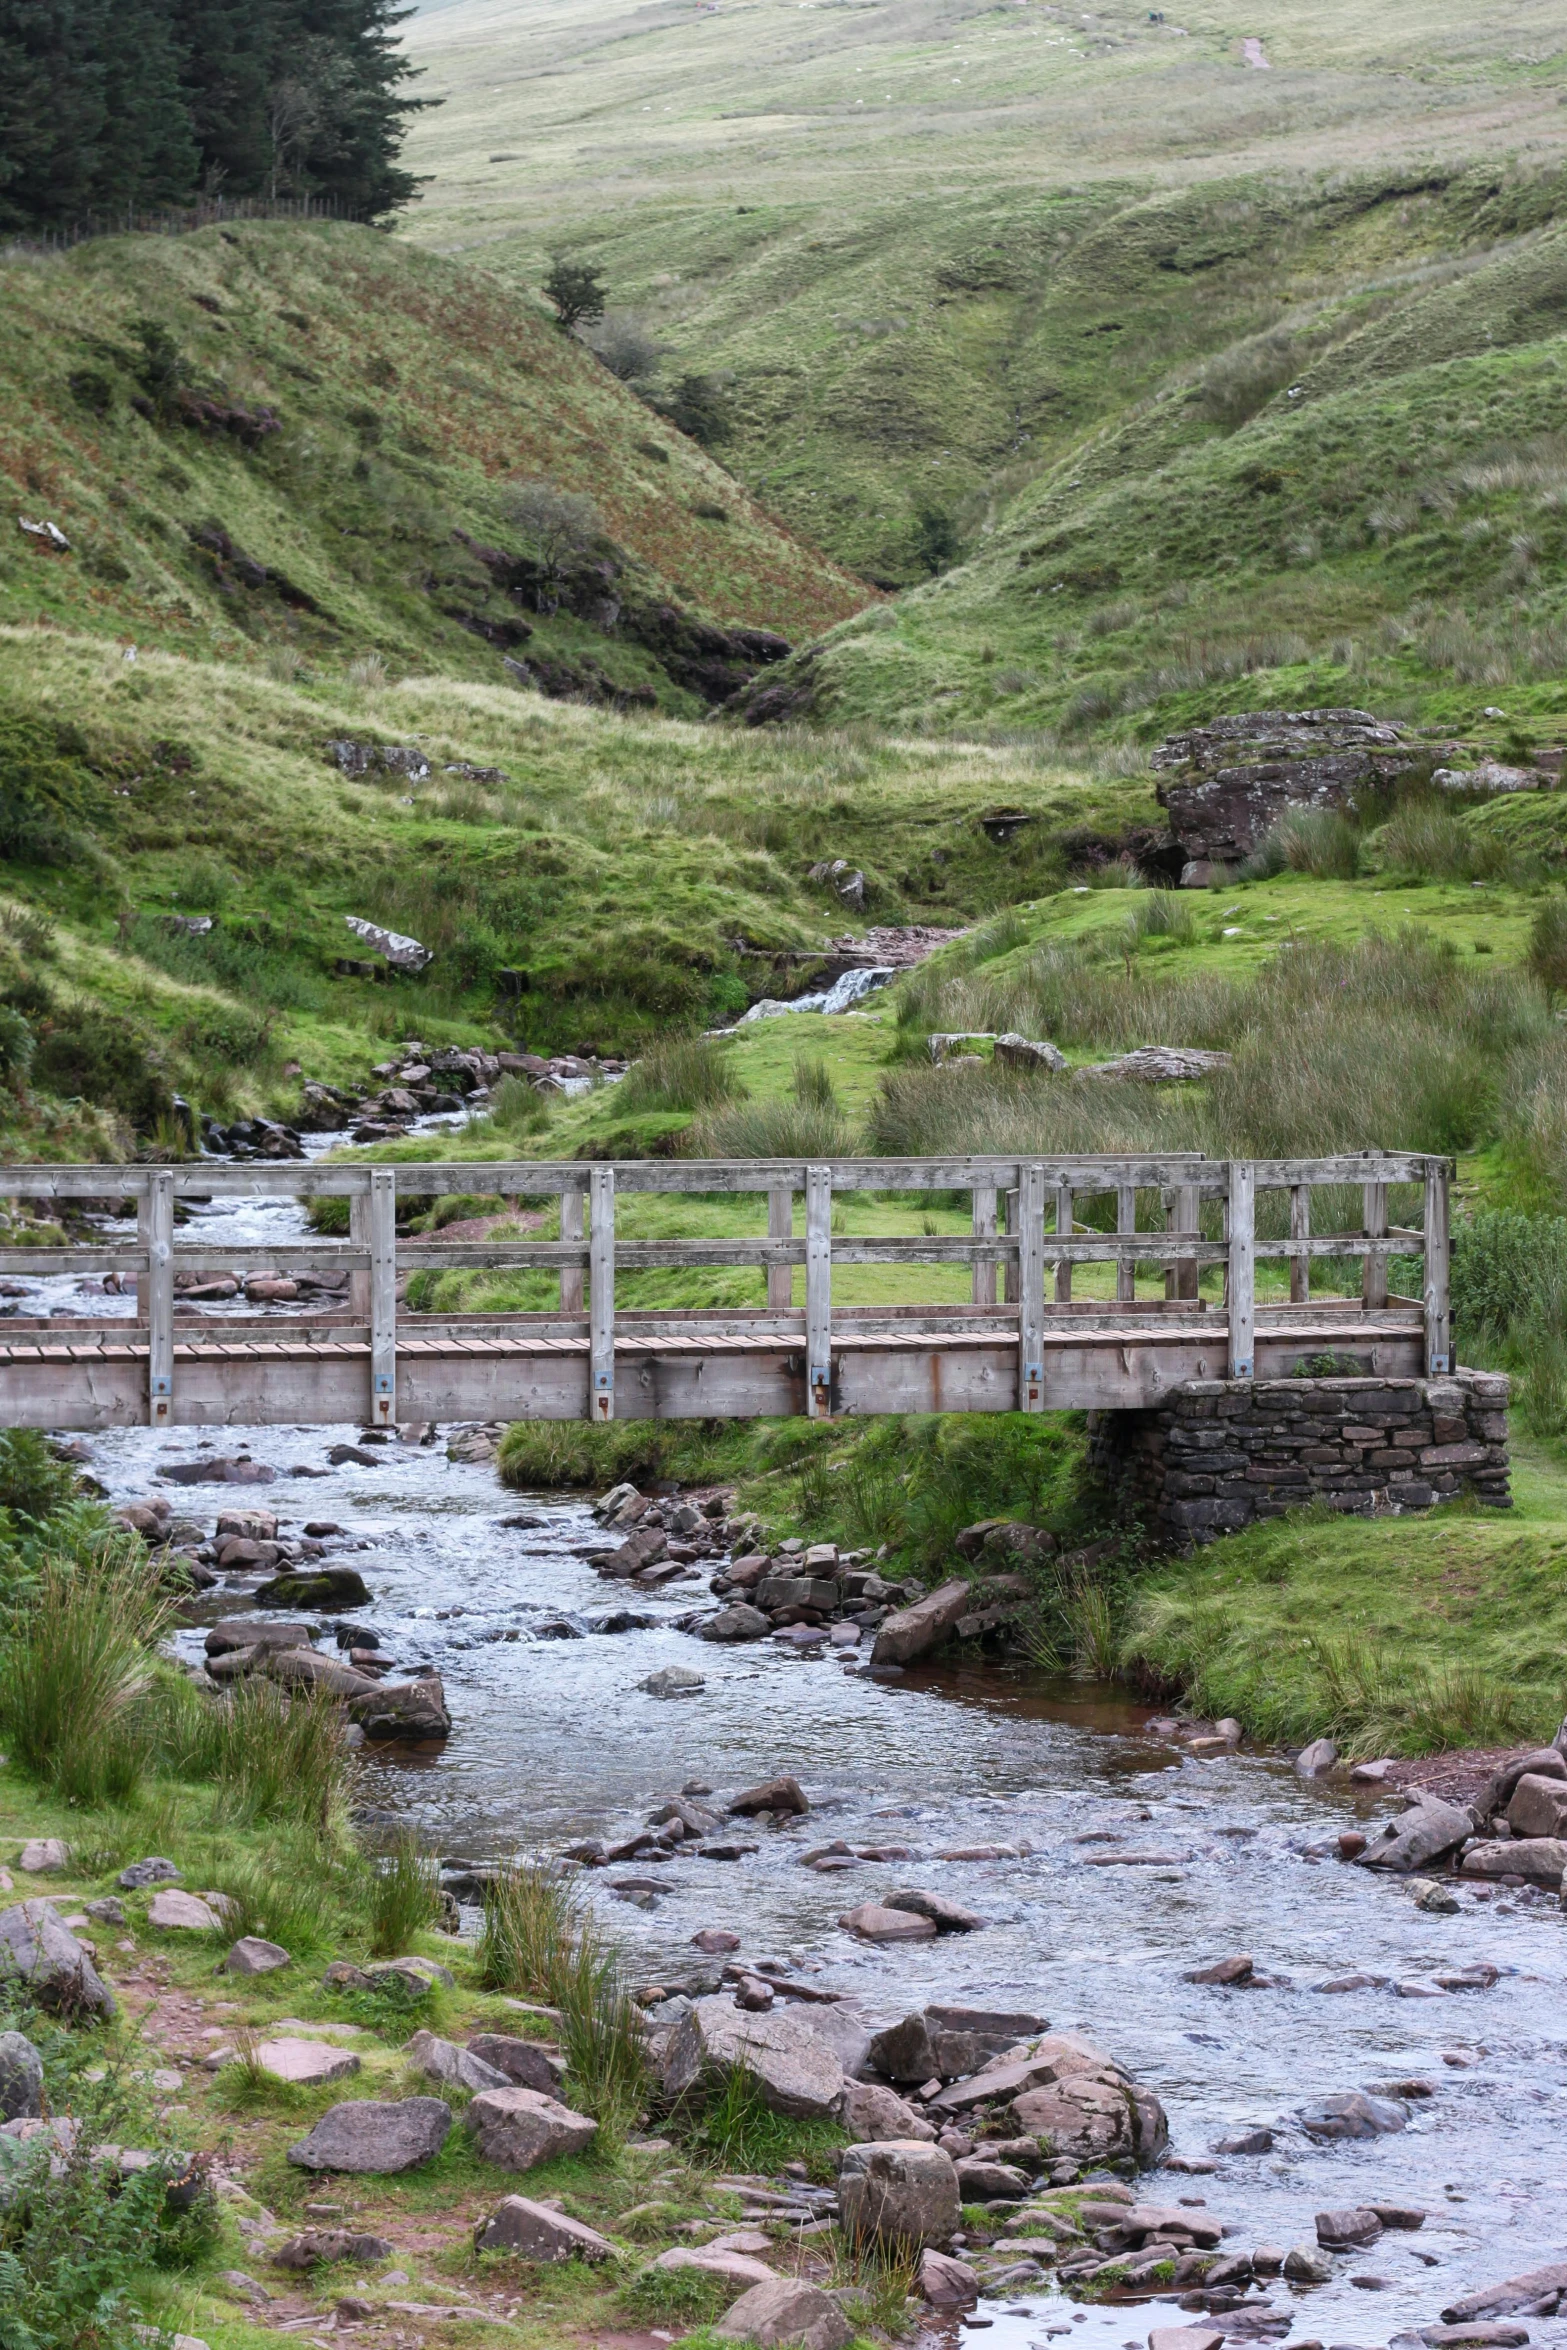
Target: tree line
{"x": 110, "y": 107}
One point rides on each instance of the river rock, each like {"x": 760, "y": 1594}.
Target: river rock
{"x": 874, "y": 1924}
{"x": 535, "y": 2232}
{"x": 673, "y": 1681}
{"x": 946, "y": 2282}
{"x": 38, "y": 1950}
{"x": 797, "y": 2072}
{"x": 1101, "y": 2116}
{"x": 458, "y": 2068}
{"x": 872, "y": 2115}
{"x": 404, "y": 1709}
{"x": 1538, "y": 1806}
{"x": 788, "y": 2310}
{"x": 989, "y": 2182}
{"x": 738, "y": 1622}
{"x": 1315, "y": 1760}
{"x": 946, "y": 1916}
{"x": 1539, "y": 1859}
{"x": 1424, "y": 1834}
{"x": 306, "y": 1668}
{"x": 143, "y": 1873}
{"x": 898, "y": 2192}
{"x": 1184, "y": 2338}
{"x": 1496, "y": 2334}
{"x": 912, "y": 1631}
{"x": 1245, "y": 2142}
{"x": 21, "y": 2078}
{"x": 43, "y": 1856}
{"x": 320, "y": 1587}
{"x": 1515, "y": 2293}
{"x": 1305, "y": 2264}
{"x": 174, "y": 1911}
{"x": 250, "y": 1955}
{"x": 774, "y": 1795}
{"x": 1342, "y": 2231}
{"x": 1238, "y": 1969}
{"x": 1354, "y": 2115}
{"x": 1541, "y": 1762}
{"x": 518, "y": 2128}
{"x": 904, "y": 2051}
{"x": 377, "y": 2139}
{"x": 527, "y": 2064}
{"x": 240, "y": 1633}
{"x": 736, "y": 2268}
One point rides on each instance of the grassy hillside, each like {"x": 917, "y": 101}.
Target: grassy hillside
{"x": 925, "y": 251}
{"x": 304, "y": 443}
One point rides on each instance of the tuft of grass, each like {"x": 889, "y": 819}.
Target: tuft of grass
{"x": 540, "y": 1940}
{"x": 402, "y": 1894}
{"x": 276, "y": 1754}
{"x": 282, "y": 1894}
{"x": 728, "y": 2122}
{"x": 77, "y": 1663}
{"x": 687, "y": 1073}
{"x": 776, "y": 1129}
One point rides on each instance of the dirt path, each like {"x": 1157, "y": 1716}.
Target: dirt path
{"x": 1251, "y": 52}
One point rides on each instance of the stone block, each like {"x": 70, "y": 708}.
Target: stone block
{"x": 898, "y": 2192}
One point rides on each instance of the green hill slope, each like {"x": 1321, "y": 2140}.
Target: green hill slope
{"x": 300, "y": 438}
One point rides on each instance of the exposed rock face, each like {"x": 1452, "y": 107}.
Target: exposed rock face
{"x": 1033, "y": 1055}
{"x": 1227, "y": 784}
{"x": 516, "y": 2128}
{"x": 21, "y": 2078}
{"x": 306, "y": 2063}
{"x": 534, "y": 2232}
{"x": 799, "y": 2074}
{"x": 899, "y": 2192}
{"x": 1539, "y": 1859}
{"x": 375, "y": 2139}
{"x": 44, "y": 1955}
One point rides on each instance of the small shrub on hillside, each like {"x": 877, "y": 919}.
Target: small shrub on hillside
{"x": 47, "y": 790}
{"x": 575, "y": 291}
{"x": 99, "y": 1057}
{"x": 556, "y": 524}
{"x": 627, "y": 346}
{"x": 699, "y": 408}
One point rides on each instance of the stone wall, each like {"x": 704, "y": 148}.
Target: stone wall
{"x": 1219, "y": 1453}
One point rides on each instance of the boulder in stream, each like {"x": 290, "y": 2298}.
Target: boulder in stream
{"x": 898, "y": 2192}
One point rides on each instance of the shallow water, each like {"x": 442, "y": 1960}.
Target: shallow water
{"x": 554, "y": 1740}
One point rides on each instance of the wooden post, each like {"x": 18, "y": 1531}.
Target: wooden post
{"x": 984, "y": 1284}
{"x": 1011, "y": 1272}
{"x": 1125, "y": 1222}
{"x": 1241, "y": 1286}
{"x": 1186, "y": 1217}
{"x": 1030, "y": 1197}
{"x": 383, "y": 1297}
{"x": 359, "y": 1233}
{"x": 1300, "y": 1229}
{"x": 1373, "y": 1273}
{"x": 1438, "y": 1302}
{"x": 155, "y": 1232}
{"x": 780, "y": 1226}
{"x": 818, "y": 1292}
{"x": 601, "y": 1292}
{"x": 1064, "y": 1225}
{"x": 571, "y": 1282}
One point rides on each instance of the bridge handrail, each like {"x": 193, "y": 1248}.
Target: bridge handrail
{"x": 1011, "y": 1195}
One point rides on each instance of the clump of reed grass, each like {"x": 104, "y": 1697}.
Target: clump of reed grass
{"x": 277, "y": 1754}
{"x": 779, "y": 1129}
{"x": 77, "y": 1662}
{"x": 286, "y": 1896}
{"x": 685, "y": 1073}
{"x": 540, "y": 1940}
{"x": 402, "y": 1894}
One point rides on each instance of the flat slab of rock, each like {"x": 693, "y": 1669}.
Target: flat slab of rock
{"x": 1184, "y": 2338}
{"x": 40, "y": 1951}
{"x": 873, "y": 1923}
{"x": 872, "y": 2115}
{"x": 175, "y": 1911}
{"x": 250, "y": 1955}
{"x": 900, "y": 2191}
{"x": 786, "y": 2310}
{"x": 519, "y": 2128}
{"x": 797, "y": 2071}
{"x": 375, "y": 2139}
{"x": 323, "y": 2247}
{"x": 911, "y": 1632}
{"x": 1354, "y": 2115}
{"x": 527, "y": 2064}
{"x": 1539, "y": 1859}
{"x": 1495, "y": 2334}
{"x": 1424, "y": 1834}
{"x": 534, "y": 2232}
{"x": 945, "y": 2282}
{"x": 736, "y": 2268}
{"x": 459, "y": 2068}
{"x": 307, "y": 2063}
{"x": 1514, "y": 2293}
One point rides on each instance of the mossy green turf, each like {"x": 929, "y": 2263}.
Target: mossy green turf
{"x": 408, "y": 391}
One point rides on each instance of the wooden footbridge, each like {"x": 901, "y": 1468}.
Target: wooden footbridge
{"x": 1033, "y": 1347}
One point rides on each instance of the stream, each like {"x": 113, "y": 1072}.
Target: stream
{"x": 554, "y": 1739}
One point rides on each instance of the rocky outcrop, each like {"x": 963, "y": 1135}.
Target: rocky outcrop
{"x": 795, "y": 2069}
{"x": 1226, "y": 785}
{"x": 900, "y": 2192}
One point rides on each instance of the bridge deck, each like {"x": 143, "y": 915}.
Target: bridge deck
{"x": 381, "y": 1363}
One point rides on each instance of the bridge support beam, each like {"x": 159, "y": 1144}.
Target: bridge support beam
{"x": 818, "y": 1292}
{"x": 1437, "y": 1310}
{"x": 383, "y": 1297}
{"x": 155, "y": 1233}
{"x": 1242, "y": 1283}
{"x": 1031, "y": 1287}
{"x": 601, "y": 1291}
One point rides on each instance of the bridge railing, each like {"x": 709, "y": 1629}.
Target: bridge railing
{"x": 1025, "y": 1222}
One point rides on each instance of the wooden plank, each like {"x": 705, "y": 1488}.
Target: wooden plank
{"x": 601, "y": 1290}
{"x": 1300, "y": 1229}
{"x": 1011, "y": 1276}
{"x": 571, "y": 1204}
{"x": 1031, "y": 1284}
{"x": 1241, "y": 1287}
{"x": 818, "y": 1291}
{"x": 383, "y": 1298}
{"x": 1373, "y": 1279}
{"x": 1126, "y": 1226}
{"x": 1438, "y": 1303}
{"x": 1065, "y": 1225}
{"x": 984, "y": 1225}
{"x": 780, "y": 1226}
{"x": 157, "y": 1206}
{"x": 1182, "y": 1214}
{"x": 360, "y": 1284}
